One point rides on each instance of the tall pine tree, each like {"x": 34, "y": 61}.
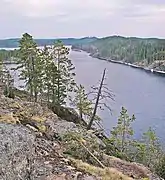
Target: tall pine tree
{"x": 30, "y": 63}
{"x": 27, "y": 55}
{"x": 64, "y": 77}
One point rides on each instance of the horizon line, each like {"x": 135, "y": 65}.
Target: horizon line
{"x": 81, "y": 37}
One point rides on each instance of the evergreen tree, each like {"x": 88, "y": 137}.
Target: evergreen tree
{"x": 31, "y": 64}
{"x": 26, "y": 60}
{"x": 81, "y": 102}
{"x": 152, "y": 149}
{"x": 1, "y": 68}
{"x": 160, "y": 168}
{"x": 38, "y": 77}
{"x": 63, "y": 78}
{"x": 122, "y": 133}
{"x": 49, "y": 70}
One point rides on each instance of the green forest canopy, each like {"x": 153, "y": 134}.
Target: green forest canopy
{"x": 127, "y": 49}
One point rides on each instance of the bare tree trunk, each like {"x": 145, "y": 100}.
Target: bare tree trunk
{"x": 123, "y": 138}
{"x": 35, "y": 95}
{"x": 91, "y": 154}
{"x": 48, "y": 95}
{"x": 97, "y": 101}
{"x": 53, "y": 91}
{"x": 30, "y": 83}
{"x": 80, "y": 113}
{"x": 80, "y": 108}
{"x": 58, "y": 80}
{"x": 34, "y": 81}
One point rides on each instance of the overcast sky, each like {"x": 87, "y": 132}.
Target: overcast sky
{"x": 78, "y": 18}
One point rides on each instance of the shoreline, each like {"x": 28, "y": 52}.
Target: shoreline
{"x": 157, "y": 72}
{"x": 161, "y": 73}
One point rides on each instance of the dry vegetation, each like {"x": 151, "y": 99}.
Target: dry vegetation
{"x": 104, "y": 174}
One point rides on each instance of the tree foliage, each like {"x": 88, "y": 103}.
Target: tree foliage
{"x": 160, "y": 167}
{"x": 146, "y": 150}
{"x": 8, "y": 55}
{"x": 1, "y": 66}
{"x": 150, "y": 151}
{"x": 127, "y": 49}
{"x": 64, "y": 73}
{"x": 121, "y": 135}
{"x": 88, "y": 104}
{"x": 46, "y": 72}
{"x": 81, "y": 102}
{"x": 28, "y": 63}
{"x": 74, "y": 142}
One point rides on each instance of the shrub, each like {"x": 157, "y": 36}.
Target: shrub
{"x": 75, "y": 149}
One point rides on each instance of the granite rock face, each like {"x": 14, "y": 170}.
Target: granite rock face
{"x": 31, "y": 149}
{"x": 27, "y": 155}
{"x": 16, "y": 149}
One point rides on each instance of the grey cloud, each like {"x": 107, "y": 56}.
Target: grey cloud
{"x": 76, "y": 18}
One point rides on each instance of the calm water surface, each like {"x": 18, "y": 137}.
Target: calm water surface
{"x": 142, "y": 93}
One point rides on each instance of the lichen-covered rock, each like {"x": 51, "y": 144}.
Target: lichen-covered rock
{"x": 131, "y": 169}
{"x": 68, "y": 114}
{"x": 1, "y": 88}
{"x": 30, "y": 147}
{"x": 62, "y": 127}
{"x": 24, "y": 112}
{"x": 16, "y": 149}
{"x": 26, "y": 155}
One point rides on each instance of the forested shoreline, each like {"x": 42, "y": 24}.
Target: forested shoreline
{"x": 144, "y": 52}
{"x": 10, "y": 54}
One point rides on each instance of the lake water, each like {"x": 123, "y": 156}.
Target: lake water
{"x": 141, "y": 93}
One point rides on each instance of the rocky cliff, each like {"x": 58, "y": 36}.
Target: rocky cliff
{"x": 33, "y": 146}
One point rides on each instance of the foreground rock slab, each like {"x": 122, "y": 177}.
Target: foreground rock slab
{"x": 24, "y": 155}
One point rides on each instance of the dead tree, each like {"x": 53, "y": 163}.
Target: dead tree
{"x": 100, "y": 93}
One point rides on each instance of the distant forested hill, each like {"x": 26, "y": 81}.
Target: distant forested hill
{"x": 149, "y": 52}
{"x": 13, "y": 43}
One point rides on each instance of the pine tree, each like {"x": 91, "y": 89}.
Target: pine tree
{"x": 152, "y": 150}
{"x": 122, "y": 133}
{"x": 30, "y": 62}
{"x": 48, "y": 73}
{"x": 51, "y": 76}
{"x": 81, "y": 102}
{"x": 38, "y": 78}
{"x": 63, "y": 78}
{"x": 1, "y": 69}
{"x": 26, "y": 61}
